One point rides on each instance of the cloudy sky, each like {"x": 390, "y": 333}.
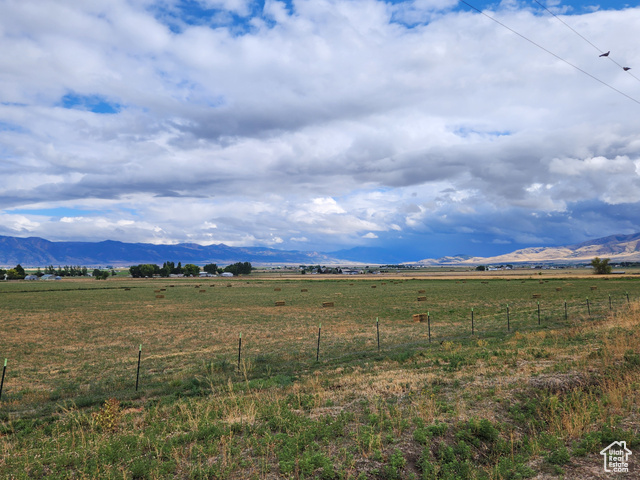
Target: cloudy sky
{"x": 423, "y": 126}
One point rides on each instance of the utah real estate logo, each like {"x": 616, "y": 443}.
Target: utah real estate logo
{"x": 616, "y": 457}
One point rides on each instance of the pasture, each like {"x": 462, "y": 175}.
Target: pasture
{"x": 498, "y": 403}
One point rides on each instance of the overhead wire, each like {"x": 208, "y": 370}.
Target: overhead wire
{"x": 602, "y": 52}
{"x": 551, "y": 53}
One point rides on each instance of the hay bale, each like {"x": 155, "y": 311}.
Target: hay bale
{"x": 156, "y": 291}
{"x": 424, "y": 291}
{"x": 202, "y": 291}
{"x": 163, "y": 289}
{"x": 277, "y": 289}
{"x": 558, "y": 289}
{"x": 537, "y": 295}
{"x": 327, "y": 304}
{"x": 304, "y": 289}
{"x": 420, "y": 317}
{"x": 228, "y": 285}
{"x": 159, "y": 296}
{"x": 127, "y": 289}
{"x": 373, "y": 286}
{"x": 594, "y": 288}
{"x": 280, "y": 303}
{"x": 422, "y": 299}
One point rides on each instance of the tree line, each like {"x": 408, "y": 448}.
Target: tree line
{"x": 170, "y": 268}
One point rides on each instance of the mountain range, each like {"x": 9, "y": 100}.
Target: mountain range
{"x": 618, "y": 248}
{"x": 34, "y": 251}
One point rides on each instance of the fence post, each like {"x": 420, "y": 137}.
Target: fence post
{"x": 610, "y": 306}
{"x": 508, "y": 320}
{"x": 429, "y": 326}
{"x": 472, "y": 329}
{"x": 239, "y": 349}
{"x": 4, "y": 369}
{"x": 588, "y": 307}
{"x": 538, "y": 312}
{"x": 318, "y": 350}
{"x": 138, "y": 370}
{"x": 378, "y": 331}
{"x": 565, "y": 310}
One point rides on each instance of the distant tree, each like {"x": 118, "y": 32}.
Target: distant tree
{"x": 239, "y": 268}
{"x": 144, "y": 270}
{"x": 101, "y": 274}
{"x": 167, "y": 269}
{"x": 481, "y": 268}
{"x": 211, "y": 268}
{"x": 601, "y": 266}
{"x": 2, "y": 273}
{"x": 191, "y": 270}
{"x": 12, "y": 274}
{"x": 20, "y": 271}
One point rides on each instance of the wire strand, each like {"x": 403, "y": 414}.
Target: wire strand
{"x": 551, "y": 53}
{"x": 586, "y": 39}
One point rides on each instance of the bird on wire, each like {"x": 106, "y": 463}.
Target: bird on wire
{"x": 606, "y": 54}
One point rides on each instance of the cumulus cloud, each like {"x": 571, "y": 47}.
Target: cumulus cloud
{"x": 321, "y": 123}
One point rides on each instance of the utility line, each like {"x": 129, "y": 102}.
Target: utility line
{"x": 602, "y": 52}
{"x": 551, "y": 53}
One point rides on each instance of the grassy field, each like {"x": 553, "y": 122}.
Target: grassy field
{"x": 539, "y": 399}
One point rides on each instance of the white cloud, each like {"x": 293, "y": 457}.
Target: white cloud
{"x": 323, "y": 123}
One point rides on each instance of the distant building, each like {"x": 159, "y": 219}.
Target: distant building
{"x": 227, "y": 274}
{"x": 31, "y": 277}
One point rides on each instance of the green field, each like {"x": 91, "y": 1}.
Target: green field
{"x": 495, "y": 404}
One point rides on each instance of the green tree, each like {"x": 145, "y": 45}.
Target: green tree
{"x": 211, "y": 268}
{"x": 101, "y": 274}
{"x": 601, "y": 266}
{"x": 190, "y": 269}
{"x": 239, "y": 268}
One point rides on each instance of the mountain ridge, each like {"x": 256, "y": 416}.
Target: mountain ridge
{"x": 36, "y": 251}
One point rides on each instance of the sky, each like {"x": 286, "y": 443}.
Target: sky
{"x": 431, "y": 127}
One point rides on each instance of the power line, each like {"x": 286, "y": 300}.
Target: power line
{"x": 551, "y": 53}
{"x": 602, "y": 52}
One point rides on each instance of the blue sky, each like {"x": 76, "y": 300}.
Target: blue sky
{"x": 417, "y": 126}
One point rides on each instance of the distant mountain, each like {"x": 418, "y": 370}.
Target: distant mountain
{"x": 619, "y": 248}
{"x": 34, "y": 251}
